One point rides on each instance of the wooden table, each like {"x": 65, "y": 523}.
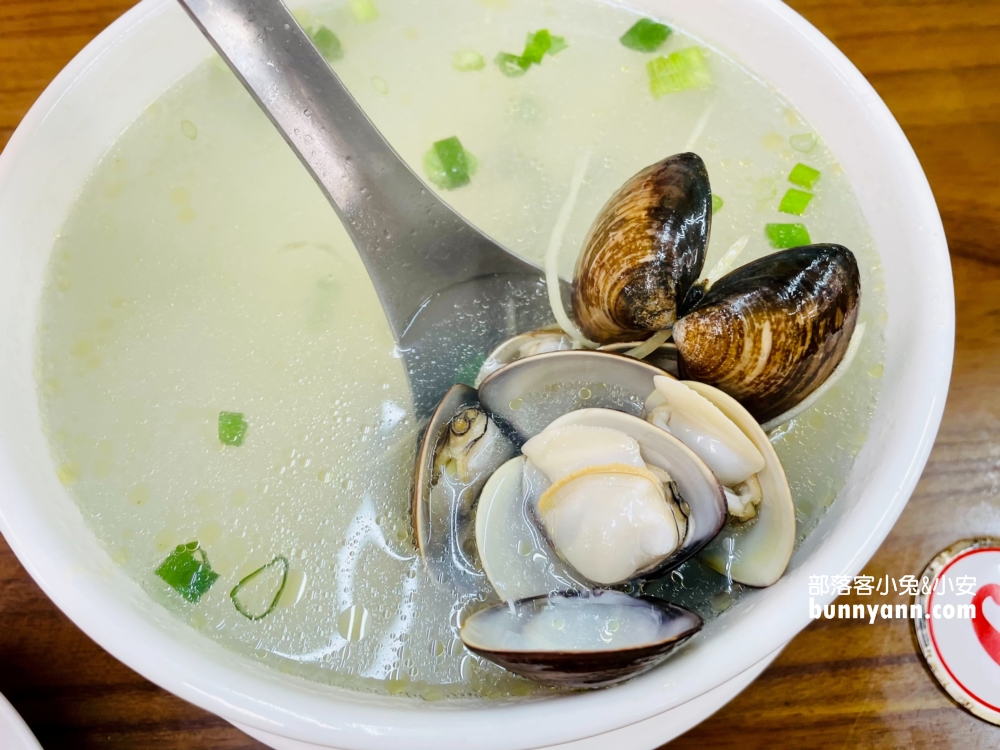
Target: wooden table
{"x": 840, "y": 683}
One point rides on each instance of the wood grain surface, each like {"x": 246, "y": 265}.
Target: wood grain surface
{"x": 840, "y": 684}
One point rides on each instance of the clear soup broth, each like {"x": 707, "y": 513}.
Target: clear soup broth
{"x": 202, "y": 271}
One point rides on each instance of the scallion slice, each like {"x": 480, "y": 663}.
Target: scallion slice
{"x": 795, "y": 202}
{"x": 646, "y": 35}
{"x": 538, "y": 44}
{"x": 364, "y": 10}
{"x": 253, "y": 597}
{"x": 449, "y": 165}
{"x": 782, "y": 236}
{"x": 327, "y": 43}
{"x": 188, "y": 572}
{"x": 717, "y": 203}
{"x": 466, "y": 60}
{"x": 232, "y": 428}
{"x": 804, "y": 176}
{"x": 559, "y": 43}
{"x": 511, "y": 65}
{"x": 681, "y": 71}
{"x": 805, "y": 142}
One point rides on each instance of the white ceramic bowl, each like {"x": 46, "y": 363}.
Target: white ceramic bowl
{"x": 152, "y": 46}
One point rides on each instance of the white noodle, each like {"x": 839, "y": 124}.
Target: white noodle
{"x": 727, "y": 261}
{"x": 650, "y": 345}
{"x": 552, "y": 256}
{"x": 699, "y": 127}
{"x": 812, "y": 398}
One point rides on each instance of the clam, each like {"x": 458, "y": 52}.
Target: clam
{"x": 644, "y": 251}
{"x": 770, "y": 332}
{"x": 691, "y": 490}
{"x": 542, "y": 341}
{"x": 460, "y": 450}
{"x": 615, "y": 498}
{"x": 526, "y": 395}
{"x": 700, "y": 425}
{"x": 754, "y": 553}
{"x": 585, "y": 640}
{"x": 513, "y": 552}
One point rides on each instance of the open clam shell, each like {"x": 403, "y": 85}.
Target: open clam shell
{"x": 699, "y": 489}
{"x": 517, "y": 559}
{"x": 579, "y": 640}
{"x": 644, "y": 251}
{"x": 461, "y": 448}
{"x": 755, "y": 553}
{"x": 770, "y": 332}
{"x": 664, "y": 356}
{"x": 542, "y": 341}
{"x": 527, "y": 395}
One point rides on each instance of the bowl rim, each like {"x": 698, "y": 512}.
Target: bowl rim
{"x": 317, "y": 716}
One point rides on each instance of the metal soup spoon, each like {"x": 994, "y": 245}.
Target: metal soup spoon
{"x": 449, "y": 292}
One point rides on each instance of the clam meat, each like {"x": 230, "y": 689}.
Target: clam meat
{"x": 461, "y": 449}
{"x": 514, "y": 553}
{"x": 754, "y": 553}
{"x": 608, "y": 515}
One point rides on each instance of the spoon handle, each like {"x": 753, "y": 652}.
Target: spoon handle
{"x": 412, "y": 243}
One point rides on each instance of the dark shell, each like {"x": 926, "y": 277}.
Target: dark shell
{"x": 644, "y": 251}
{"x": 772, "y": 331}
{"x": 583, "y": 669}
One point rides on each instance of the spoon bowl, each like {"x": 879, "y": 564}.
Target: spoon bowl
{"x": 450, "y": 293}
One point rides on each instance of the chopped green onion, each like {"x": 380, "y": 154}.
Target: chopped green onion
{"x": 232, "y": 427}
{"x": 717, "y": 204}
{"x": 511, "y": 65}
{"x": 646, "y": 35}
{"x": 805, "y": 142}
{"x": 559, "y": 43}
{"x": 795, "y": 202}
{"x": 538, "y": 44}
{"x": 783, "y": 236}
{"x": 364, "y": 10}
{"x": 187, "y": 571}
{"x": 253, "y": 598}
{"x": 327, "y": 43}
{"x": 680, "y": 71}
{"x": 804, "y": 176}
{"x": 449, "y": 165}
{"x": 467, "y": 60}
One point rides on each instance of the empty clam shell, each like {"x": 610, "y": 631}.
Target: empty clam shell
{"x": 579, "y": 640}
{"x": 644, "y": 251}
{"x": 755, "y": 553}
{"x": 770, "y": 332}
{"x": 526, "y": 395}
